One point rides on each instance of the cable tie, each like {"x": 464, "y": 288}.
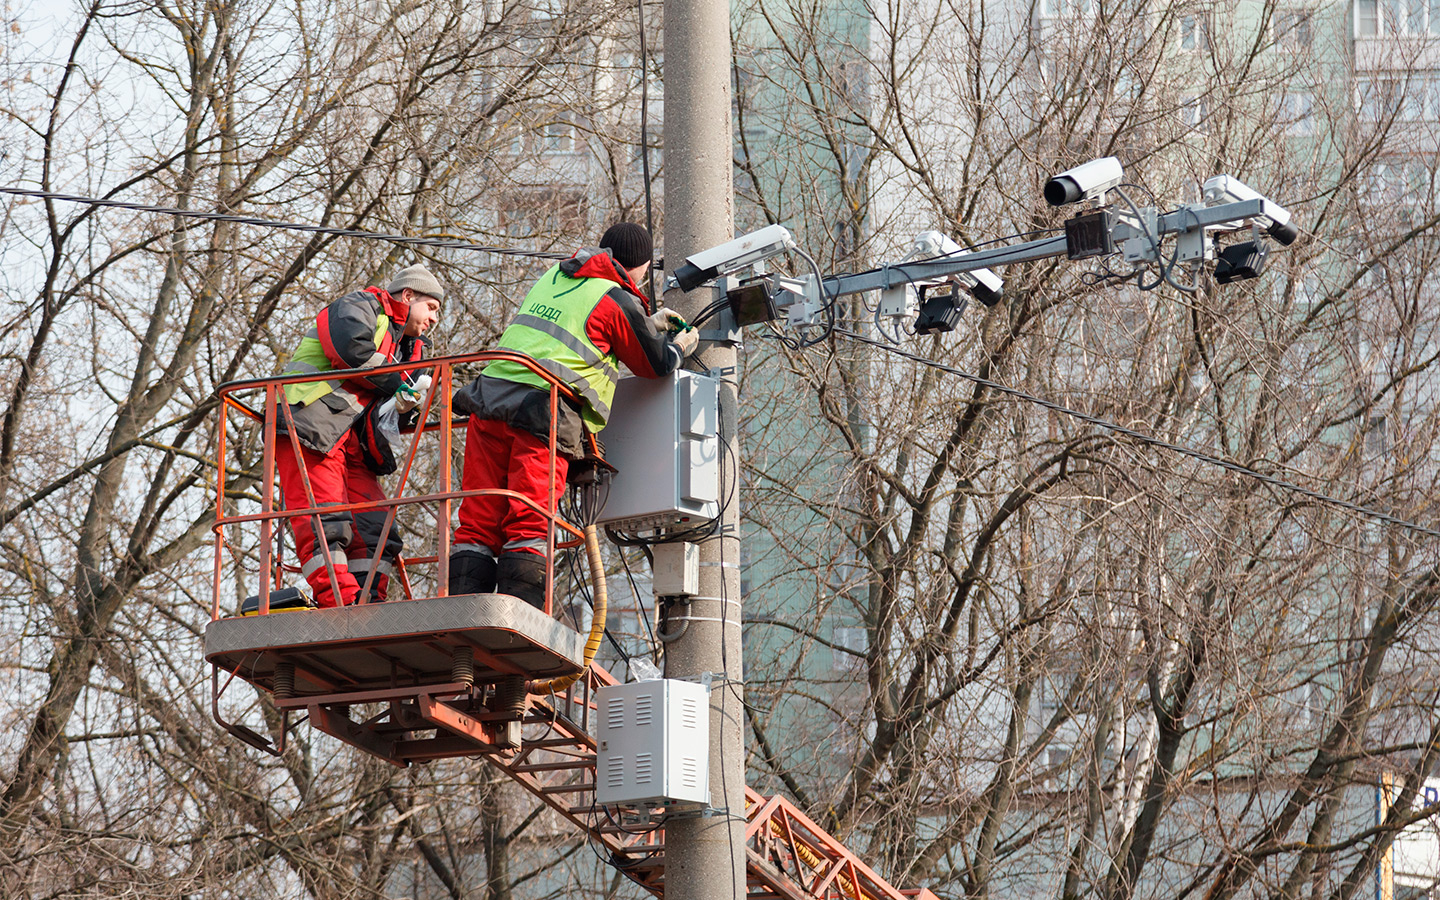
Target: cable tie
{"x": 693, "y": 597}
{"x": 722, "y": 620}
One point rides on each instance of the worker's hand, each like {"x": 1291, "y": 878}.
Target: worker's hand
{"x": 409, "y": 395}
{"x": 686, "y": 340}
{"x": 663, "y": 320}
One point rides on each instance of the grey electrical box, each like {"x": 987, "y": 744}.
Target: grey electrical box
{"x": 662, "y": 438}
{"x": 653, "y": 743}
{"x": 676, "y": 568}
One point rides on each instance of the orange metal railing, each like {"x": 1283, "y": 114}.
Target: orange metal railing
{"x": 270, "y": 391}
{"x": 787, "y": 854}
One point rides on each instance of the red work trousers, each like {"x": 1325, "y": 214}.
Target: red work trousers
{"x": 337, "y": 477}
{"x": 498, "y": 456}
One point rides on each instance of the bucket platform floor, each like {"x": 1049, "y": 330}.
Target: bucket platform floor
{"x": 374, "y": 647}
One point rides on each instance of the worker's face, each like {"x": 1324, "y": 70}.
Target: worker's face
{"x": 424, "y": 312}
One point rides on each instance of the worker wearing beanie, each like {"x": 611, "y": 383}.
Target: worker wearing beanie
{"x": 361, "y": 330}
{"x": 580, "y": 322}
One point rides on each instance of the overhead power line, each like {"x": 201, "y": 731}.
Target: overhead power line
{"x": 453, "y": 244}
{"x": 1151, "y": 440}
{"x": 438, "y": 242}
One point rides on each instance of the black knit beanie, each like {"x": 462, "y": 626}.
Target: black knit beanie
{"x": 629, "y": 243}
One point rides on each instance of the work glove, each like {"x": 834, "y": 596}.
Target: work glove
{"x": 686, "y": 340}
{"x": 409, "y": 395}
{"x": 667, "y": 320}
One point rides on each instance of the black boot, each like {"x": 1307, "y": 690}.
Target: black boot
{"x": 523, "y": 575}
{"x": 472, "y": 573}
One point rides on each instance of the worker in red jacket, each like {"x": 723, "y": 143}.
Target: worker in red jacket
{"x": 581, "y": 321}
{"x": 362, "y": 330}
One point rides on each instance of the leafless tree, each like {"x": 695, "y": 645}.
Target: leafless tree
{"x": 119, "y": 325}
{"x": 1037, "y": 655}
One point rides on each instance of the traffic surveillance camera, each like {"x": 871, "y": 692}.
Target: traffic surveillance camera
{"x": 732, "y": 256}
{"x": 1083, "y": 182}
{"x": 933, "y": 243}
{"x": 984, "y": 284}
{"x": 1225, "y": 189}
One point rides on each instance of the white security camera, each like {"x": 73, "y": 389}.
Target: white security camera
{"x": 732, "y": 256}
{"x": 1225, "y": 189}
{"x": 983, "y": 283}
{"x": 1083, "y": 182}
{"x": 933, "y": 243}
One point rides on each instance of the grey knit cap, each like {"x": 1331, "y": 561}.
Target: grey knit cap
{"x": 418, "y": 279}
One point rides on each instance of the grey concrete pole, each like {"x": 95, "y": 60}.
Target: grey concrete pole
{"x": 705, "y": 857}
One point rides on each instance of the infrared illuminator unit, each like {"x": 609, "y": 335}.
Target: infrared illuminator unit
{"x": 732, "y": 256}
{"x": 1084, "y": 181}
{"x": 1225, "y": 189}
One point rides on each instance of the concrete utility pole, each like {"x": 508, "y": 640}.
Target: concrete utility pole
{"x": 705, "y": 857}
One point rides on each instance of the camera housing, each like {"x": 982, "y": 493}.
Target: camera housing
{"x": 984, "y": 284}
{"x": 1084, "y": 181}
{"x": 1228, "y": 189}
{"x": 732, "y": 256}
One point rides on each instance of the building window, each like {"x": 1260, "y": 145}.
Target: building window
{"x": 851, "y": 644}
{"x": 1292, "y": 29}
{"x": 543, "y": 212}
{"x": 1375, "y": 98}
{"x": 1297, "y": 113}
{"x": 1194, "y": 111}
{"x": 1367, "y": 18}
{"x": 1377, "y": 437}
{"x": 1066, "y": 9}
{"x": 558, "y": 135}
{"x": 1402, "y": 191}
{"x": 1398, "y": 182}
{"x": 1414, "y": 98}
{"x": 1374, "y": 18}
{"x": 1194, "y": 32}
{"x": 855, "y": 82}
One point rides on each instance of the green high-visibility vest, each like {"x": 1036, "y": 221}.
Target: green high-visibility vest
{"x": 310, "y": 357}
{"x": 550, "y": 328}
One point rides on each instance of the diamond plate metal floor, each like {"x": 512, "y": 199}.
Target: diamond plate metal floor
{"x": 400, "y": 643}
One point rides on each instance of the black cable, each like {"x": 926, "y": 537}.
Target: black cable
{"x": 1152, "y": 440}
{"x": 645, "y": 139}
{"x": 639, "y": 602}
{"x": 724, "y": 644}
{"x": 1166, "y": 268}
{"x": 583, "y": 587}
{"x": 827, "y": 302}
{"x": 442, "y": 243}
{"x": 712, "y": 309}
